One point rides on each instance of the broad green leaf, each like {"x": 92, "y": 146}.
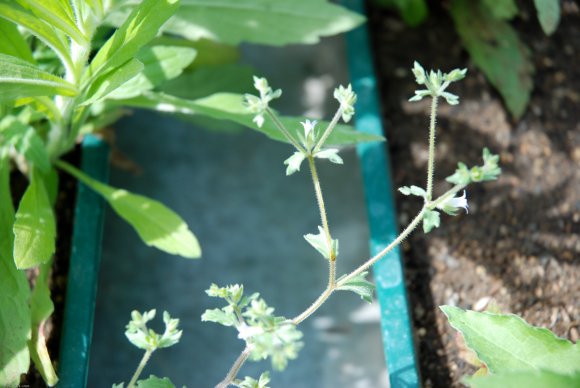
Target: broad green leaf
{"x": 206, "y": 80}
{"x": 35, "y": 226}
{"x": 261, "y": 21}
{"x": 11, "y": 11}
{"x": 161, "y": 63}
{"x": 112, "y": 80}
{"x": 413, "y": 12}
{"x": 57, "y": 14}
{"x": 137, "y": 30}
{"x": 155, "y": 382}
{"x": 14, "y": 293}
{"x": 228, "y": 106}
{"x": 19, "y": 78}
{"x": 507, "y": 342}
{"x": 12, "y": 42}
{"x": 497, "y": 50}
{"x": 431, "y": 220}
{"x": 502, "y": 9}
{"x": 157, "y": 225}
{"x": 526, "y": 379}
{"x": 413, "y": 190}
{"x": 548, "y": 14}
{"x": 41, "y": 308}
{"x": 359, "y": 285}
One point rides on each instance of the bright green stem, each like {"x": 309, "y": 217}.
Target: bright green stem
{"x": 142, "y": 364}
{"x": 328, "y": 130}
{"x": 284, "y": 131}
{"x": 431, "y": 163}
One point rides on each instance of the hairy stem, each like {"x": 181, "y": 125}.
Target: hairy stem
{"x": 321, "y": 206}
{"x": 142, "y": 364}
{"x": 284, "y": 131}
{"x": 233, "y": 372}
{"x": 431, "y": 163}
{"x": 328, "y": 131}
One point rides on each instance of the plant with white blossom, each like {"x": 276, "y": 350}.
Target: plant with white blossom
{"x": 269, "y": 336}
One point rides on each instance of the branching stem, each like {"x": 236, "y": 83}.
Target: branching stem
{"x": 233, "y": 372}
{"x": 284, "y": 131}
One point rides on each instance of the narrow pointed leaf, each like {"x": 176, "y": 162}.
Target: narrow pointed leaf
{"x": 137, "y": 30}
{"x": 157, "y": 225}
{"x": 111, "y": 81}
{"x": 14, "y": 293}
{"x": 228, "y": 106}
{"x": 505, "y": 342}
{"x": 19, "y": 78}
{"x": 12, "y": 42}
{"x": 35, "y": 226}
{"x": 11, "y": 11}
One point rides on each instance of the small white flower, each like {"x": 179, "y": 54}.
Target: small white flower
{"x": 452, "y": 204}
{"x": 308, "y": 127}
{"x": 245, "y": 331}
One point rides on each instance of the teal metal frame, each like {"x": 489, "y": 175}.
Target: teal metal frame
{"x": 84, "y": 269}
{"x": 376, "y": 171}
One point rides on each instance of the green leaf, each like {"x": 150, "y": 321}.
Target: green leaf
{"x": 261, "y": 21}
{"x": 413, "y": 12}
{"x": 430, "y": 220}
{"x": 527, "y": 379}
{"x": 41, "y": 308}
{"x": 496, "y": 49}
{"x": 294, "y": 162}
{"x": 19, "y": 78}
{"x": 507, "y": 342}
{"x": 548, "y": 14}
{"x": 11, "y": 11}
{"x": 155, "y": 382}
{"x": 14, "y": 292}
{"x": 461, "y": 176}
{"x": 35, "y": 226}
{"x": 359, "y": 285}
{"x": 12, "y": 42}
{"x": 26, "y": 142}
{"x": 413, "y": 190}
{"x": 249, "y": 382}
{"x": 157, "y": 225}
{"x": 138, "y": 29}
{"x": 320, "y": 243}
{"x": 57, "y": 14}
{"x": 111, "y": 81}
{"x": 502, "y": 9}
{"x": 228, "y": 106}
{"x": 161, "y": 63}
{"x": 226, "y": 318}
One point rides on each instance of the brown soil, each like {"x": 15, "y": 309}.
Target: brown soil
{"x": 519, "y": 245}
{"x": 64, "y": 210}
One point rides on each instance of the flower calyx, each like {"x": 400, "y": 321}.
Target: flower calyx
{"x": 436, "y": 82}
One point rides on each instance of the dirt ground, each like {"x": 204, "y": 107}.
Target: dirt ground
{"x": 520, "y": 243}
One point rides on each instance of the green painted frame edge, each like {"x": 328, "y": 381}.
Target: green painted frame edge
{"x": 396, "y": 324}
{"x": 84, "y": 269}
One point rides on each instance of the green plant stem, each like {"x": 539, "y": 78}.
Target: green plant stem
{"x": 284, "y": 131}
{"x": 142, "y": 364}
{"x": 328, "y": 131}
{"x": 233, "y": 372}
{"x": 431, "y": 162}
